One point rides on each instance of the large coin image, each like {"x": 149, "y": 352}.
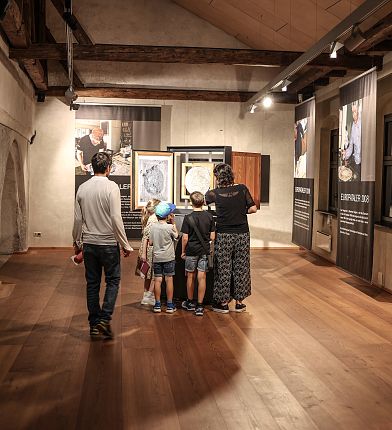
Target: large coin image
{"x": 153, "y": 180}
{"x": 198, "y": 179}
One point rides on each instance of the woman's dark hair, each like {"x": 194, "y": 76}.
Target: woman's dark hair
{"x": 101, "y": 161}
{"x": 224, "y": 175}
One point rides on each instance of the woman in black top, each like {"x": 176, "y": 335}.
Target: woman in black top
{"x": 232, "y": 245}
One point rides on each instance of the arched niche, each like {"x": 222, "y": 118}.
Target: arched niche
{"x": 12, "y": 204}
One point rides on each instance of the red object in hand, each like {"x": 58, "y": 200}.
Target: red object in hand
{"x": 78, "y": 258}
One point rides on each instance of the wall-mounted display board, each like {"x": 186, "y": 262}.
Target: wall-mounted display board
{"x": 110, "y": 129}
{"x": 356, "y": 172}
{"x": 247, "y": 170}
{"x": 193, "y": 170}
{"x": 304, "y": 142}
{"x": 153, "y": 177}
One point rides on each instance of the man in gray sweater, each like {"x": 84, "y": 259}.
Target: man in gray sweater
{"x": 99, "y": 227}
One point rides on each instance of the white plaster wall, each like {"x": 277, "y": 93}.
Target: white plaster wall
{"x": 52, "y": 183}
{"x": 268, "y": 132}
{"x": 16, "y": 125}
{"x": 16, "y": 96}
{"x": 183, "y": 124}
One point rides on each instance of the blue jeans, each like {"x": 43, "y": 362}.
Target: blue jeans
{"x": 97, "y": 257}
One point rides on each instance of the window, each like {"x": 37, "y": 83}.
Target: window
{"x": 333, "y": 171}
{"x": 387, "y": 174}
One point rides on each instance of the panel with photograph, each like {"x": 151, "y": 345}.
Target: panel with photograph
{"x": 94, "y": 135}
{"x": 350, "y": 142}
{"x": 153, "y": 174}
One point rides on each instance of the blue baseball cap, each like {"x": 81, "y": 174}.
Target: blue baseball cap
{"x": 164, "y": 209}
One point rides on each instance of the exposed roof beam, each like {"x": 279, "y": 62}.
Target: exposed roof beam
{"x": 14, "y": 27}
{"x": 80, "y": 35}
{"x": 376, "y": 34}
{"x": 307, "y": 78}
{"x": 382, "y": 47}
{"x": 367, "y": 8}
{"x": 166, "y": 94}
{"x": 187, "y": 55}
{"x": 63, "y": 63}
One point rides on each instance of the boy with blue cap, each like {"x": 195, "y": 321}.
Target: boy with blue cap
{"x": 162, "y": 237}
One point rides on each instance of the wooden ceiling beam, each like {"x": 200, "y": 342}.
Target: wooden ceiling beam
{"x": 18, "y": 35}
{"x": 167, "y": 94}
{"x": 381, "y": 48}
{"x": 376, "y": 34}
{"x": 306, "y": 79}
{"x": 77, "y": 81}
{"x": 189, "y": 55}
{"x": 79, "y": 33}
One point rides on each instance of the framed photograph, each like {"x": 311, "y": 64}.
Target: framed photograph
{"x": 153, "y": 175}
{"x": 198, "y": 176}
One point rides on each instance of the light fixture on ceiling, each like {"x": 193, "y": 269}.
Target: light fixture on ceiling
{"x": 356, "y": 39}
{"x": 253, "y": 108}
{"x": 335, "y": 46}
{"x": 267, "y": 101}
{"x": 285, "y": 84}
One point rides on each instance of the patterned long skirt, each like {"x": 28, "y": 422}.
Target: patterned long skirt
{"x": 232, "y": 260}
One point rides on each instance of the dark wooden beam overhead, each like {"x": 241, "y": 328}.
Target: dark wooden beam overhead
{"x": 77, "y": 81}
{"x": 189, "y": 55}
{"x": 376, "y": 34}
{"x": 79, "y": 33}
{"x": 381, "y": 48}
{"x": 167, "y": 94}
{"x": 306, "y": 79}
{"x": 339, "y": 73}
{"x": 18, "y": 35}
{"x": 14, "y": 26}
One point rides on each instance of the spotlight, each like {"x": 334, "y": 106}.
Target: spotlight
{"x": 355, "y": 40}
{"x": 267, "y": 102}
{"x": 285, "y": 84}
{"x": 300, "y": 98}
{"x": 74, "y": 106}
{"x": 253, "y": 109}
{"x": 70, "y": 95}
{"x": 41, "y": 97}
{"x": 335, "y": 46}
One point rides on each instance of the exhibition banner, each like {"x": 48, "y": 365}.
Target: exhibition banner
{"x": 357, "y": 155}
{"x": 304, "y": 142}
{"x": 116, "y": 130}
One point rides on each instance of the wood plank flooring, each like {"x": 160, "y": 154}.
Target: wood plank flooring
{"x": 312, "y": 352}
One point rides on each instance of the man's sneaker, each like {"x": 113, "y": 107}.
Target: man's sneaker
{"x": 105, "y": 328}
{"x": 240, "y": 307}
{"x": 171, "y": 308}
{"x": 157, "y": 307}
{"x": 222, "y": 309}
{"x": 94, "y": 332}
{"x": 148, "y": 298}
{"x": 188, "y": 305}
{"x": 199, "y": 311}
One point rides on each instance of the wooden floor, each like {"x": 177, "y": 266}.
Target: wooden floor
{"x": 313, "y": 351}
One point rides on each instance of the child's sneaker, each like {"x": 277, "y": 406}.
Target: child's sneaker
{"x": 148, "y": 298}
{"x": 199, "y": 311}
{"x": 240, "y": 307}
{"x": 170, "y": 308}
{"x": 188, "y": 305}
{"x": 157, "y": 307}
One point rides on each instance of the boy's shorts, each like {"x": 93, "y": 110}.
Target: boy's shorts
{"x": 167, "y": 268}
{"x": 196, "y": 262}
